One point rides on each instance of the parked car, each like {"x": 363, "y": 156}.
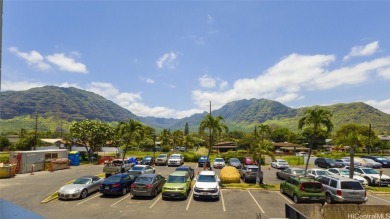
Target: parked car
{"x": 279, "y": 164}
{"x": 162, "y": 159}
{"x": 219, "y": 163}
{"x": 248, "y": 161}
{"x": 372, "y": 176}
{"x": 147, "y": 185}
{"x": 141, "y": 169}
{"x": 116, "y": 166}
{"x": 347, "y": 161}
{"x": 235, "y": 162}
{"x": 289, "y": 172}
{"x": 363, "y": 163}
{"x": 204, "y": 161}
{"x": 175, "y": 160}
{"x": 80, "y": 188}
{"x": 385, "y": 162}
{"x": 342, "y": 189}
{"x": 188, "y": 169}
{"x": 249, "y": 173}
{"x": 345, "y": 173}
{"x": 207, "y": 185}
{"x": 327, "y": 163}
{"x": 375, "y": 165}
{"x": 301, "y": 154}
{"x": 147, "y": 160}
{"x": 303, "y": 189}
{"x": 317, "y": 172}
{"x": 118, "y": 184}
{"x": 177, "y": 185}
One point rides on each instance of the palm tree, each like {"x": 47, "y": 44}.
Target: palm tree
{"x": 316, "y": 119}
{"x": 215, "y": 126}
{"x": 129, "y": 132}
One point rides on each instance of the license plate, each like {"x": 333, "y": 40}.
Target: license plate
{"x": 354, "y": 193}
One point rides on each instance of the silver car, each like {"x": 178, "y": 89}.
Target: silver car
{"x": 342, "y": 189}
{"x": 162, "y": 159}
{"x": 80, "y": 188}
{"x": 140, "y": 169}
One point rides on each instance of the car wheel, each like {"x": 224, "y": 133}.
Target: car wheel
{"x": 295, "y": 199}
{"x": 155, "y": 193}
{"x": 368, "y": 181}
{"x": 328, "y": 199}
{"x": 83, "y": 194}
{"x": 277, "y": 176}
{"x": 124, "y": 191}
{"x": 244, "y": 178}
{"x": 281, "y": 189}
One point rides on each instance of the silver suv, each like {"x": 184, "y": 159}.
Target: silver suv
{"x": 341, "y": 189}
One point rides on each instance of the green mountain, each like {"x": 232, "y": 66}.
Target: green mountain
{"x": 58, "y": 106}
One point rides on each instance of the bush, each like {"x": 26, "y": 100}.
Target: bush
{"x": 191, "y": 157}
{"x": 165, "y": 148}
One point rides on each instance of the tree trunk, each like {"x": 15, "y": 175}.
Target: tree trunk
{"x": 307, "y": 161}
{"x": 259, "y": 178}
{"x": 351, "y": 163}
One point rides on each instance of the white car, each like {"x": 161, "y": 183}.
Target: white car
{"x": 219, "y": 163}
{"x": 175, "y": 160}
{"x": 301, "y": 154}
{"x": 372, "y": 176}
{"x": 345, "y": 173}
{"x": 207, "y": 185}
{"x": 317, "y": 172}
{"x": 279, "y": 164}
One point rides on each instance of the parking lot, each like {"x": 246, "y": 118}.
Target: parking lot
{"x": 234, "y": 203}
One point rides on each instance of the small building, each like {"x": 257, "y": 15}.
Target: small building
{"x": 225, "y": 146}
{"x": 25, "y": 161}
{"x": 287, "y": 147}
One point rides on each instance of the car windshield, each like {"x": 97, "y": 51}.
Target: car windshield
{"x": 370, "y": 171}
{"x": 206, "y": 178}
{"x": 344, "y": 172}
{"x": 329, "y": 160}
{"x": 298, "y": 172}
{"x": 234, "y": 160}
{"x": 321, "y": 172}
{"x": 381, "y": 158}
{"x": 113, "y": 179}
{"x": 117, "y": 162}
{"x": 137, "y": 168}
{"x": 82, "y": 181}
{"x": 144, "y": 179}
{"x": 162, "y": 156}
{"x": 218, "y": 160}
{"x": 175, "y": 157}
{"x": 351, "y": 185}
{"x": 182, "y": 169}
{"x": 147, "y": 158}
{"x": 176, "y": 179}
{"x": 282, "y": 161}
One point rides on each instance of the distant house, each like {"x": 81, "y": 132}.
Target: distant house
{"x": 225, "y": 146}
{"x": 288, "y": 147}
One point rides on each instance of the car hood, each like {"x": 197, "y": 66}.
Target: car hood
{"x": 219, "y": 162}
{"x": 72, "y": 187}
{"x": 206, "y": 185}
{"x": 174, "y": 159}
{"x": 174, "y": 185}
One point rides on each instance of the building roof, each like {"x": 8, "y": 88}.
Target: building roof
{"x": 285, "y": 144}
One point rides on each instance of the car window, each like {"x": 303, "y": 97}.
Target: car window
{"x": 114, "y": 178}
{"x": 351, "y": 185}
{"x": 370, "y": 171}
{"x": 311, "y": 185}
{"x": 333, "y": 183}
{"x": 299, "y": 172}
{"x": 144, "y": 179}
{"x": 358, "y": 170}
{"x": 324, "y": 180}
{"x": 206, "y": 178}
{"x": 82, "y": 181}
{"x": 176, "y": 179}
{"x": 137, "y": 168}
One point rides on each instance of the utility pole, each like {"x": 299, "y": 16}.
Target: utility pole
{"x": 369, "y": 138}
{"x": 36, "y": 131}
{"x": 210, "y": 138}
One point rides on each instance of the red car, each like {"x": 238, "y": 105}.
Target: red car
{"x": 248, "y": 161}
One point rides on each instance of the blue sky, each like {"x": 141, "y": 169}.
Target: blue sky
{"x": 171, "y": 58}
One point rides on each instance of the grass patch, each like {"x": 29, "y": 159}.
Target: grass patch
{"x": 250, "y": 186}
{"x": 378, "y": 189}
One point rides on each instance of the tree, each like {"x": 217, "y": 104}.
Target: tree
{"x": 93, "y": 134}
{"x": 26, "y": 143}
{"x": 129, "y": 132}
{"x": 261, "y": 146}
{"x": 4, "y": 143}
{"x": 186, "y": 129}
{"x": 316, "y": 119}
{"x": 215, "y": 126}
{"x": 165, "y": 137}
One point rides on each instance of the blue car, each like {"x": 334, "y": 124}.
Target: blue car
{"x": 204, "y": 160}
{"x": 118, "y": 184}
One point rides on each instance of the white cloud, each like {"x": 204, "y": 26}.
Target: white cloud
{"x": 32, "y": 58}
{"x": 383, "y": 105}
{"x": 210, "y": 19}
{"x": 366, "y": 50}
{"x": 167, "y": 60}
{"x": 207, "y": 82}
{"x": 66, "y": 63}
{"x": 19, "y": 85}
{"x": 384, "y": 72}
{"x": 223, "y": 84}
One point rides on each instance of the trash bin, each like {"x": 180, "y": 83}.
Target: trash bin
{"x": 7, "y": 171}
{"x": 74, "y": 157}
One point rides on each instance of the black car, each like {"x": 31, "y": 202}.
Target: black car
{"x": 118, "y": 184}
{"x": 204, "y": 161}
{"x": 147, "y": 160}
{"x": 190, "y": 170}
{"x": 327, "y": 163}
{"x": 385, "y": 162}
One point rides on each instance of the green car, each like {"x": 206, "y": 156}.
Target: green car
{"x": 303, "y": 189}
{"x": 178, "y": 185}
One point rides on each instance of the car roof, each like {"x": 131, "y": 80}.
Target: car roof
{"x": 251, "y": 166}
{"x": 140, "y": 165}
{"x": 207, "y": 172}
{"x": 178, "y": 173}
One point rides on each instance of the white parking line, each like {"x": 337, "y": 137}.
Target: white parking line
{"x": 92, "y": 197}
{"x": 261, "y": 209}
{"x": 380, "y": 198}
{"x": 159, "y": 197}
{"x": 223, "y": 202}
{"x": 288, "y": 200}
{"x": 126, "y": 196}
{"x": 189, "y": 201}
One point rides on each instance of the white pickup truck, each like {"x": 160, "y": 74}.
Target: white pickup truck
{"x": 116, "y": 166}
